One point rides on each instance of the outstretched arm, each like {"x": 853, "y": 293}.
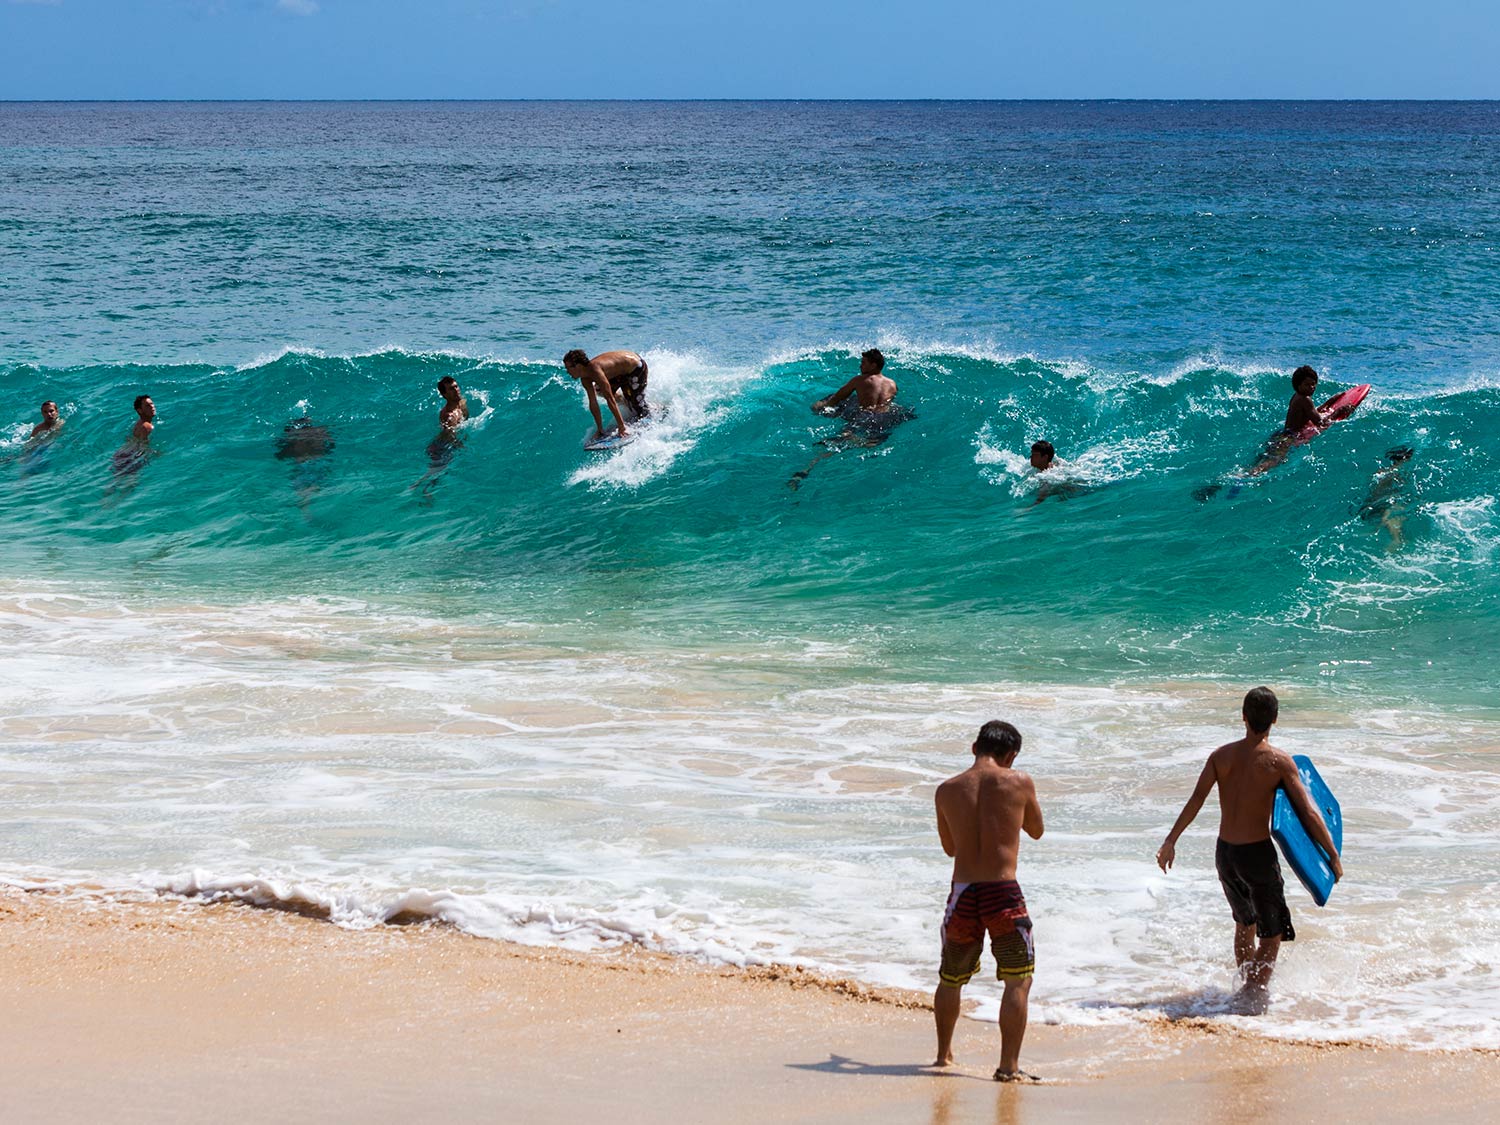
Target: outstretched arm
{"x": 1168, "y": 850}
{"x": 836, "y": 398}
{"x": 1308, "y": 814}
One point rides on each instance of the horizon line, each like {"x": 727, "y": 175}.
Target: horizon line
{"x": 695, "y": 100}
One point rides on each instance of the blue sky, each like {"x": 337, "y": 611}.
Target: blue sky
{"x": 748, "y": 48}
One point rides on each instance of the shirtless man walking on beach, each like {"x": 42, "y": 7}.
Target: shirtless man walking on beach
{"x": 1248, "y": 772}
{"x": 614, "y": 375}
{"x": 980, "y": 815}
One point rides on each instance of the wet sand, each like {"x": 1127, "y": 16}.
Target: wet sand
{"x": 169, "y": 1011}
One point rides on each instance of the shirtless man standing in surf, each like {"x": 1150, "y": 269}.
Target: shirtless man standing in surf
{"x": 1248, "y": 772}
{"x": 980, "y": 815}
{"x": 613, "y": 375}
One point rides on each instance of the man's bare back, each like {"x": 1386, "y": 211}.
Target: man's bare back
{"x": 874, "y": 390}
{"x": 981, "y": 813}
{"x": 1248, "y": 771}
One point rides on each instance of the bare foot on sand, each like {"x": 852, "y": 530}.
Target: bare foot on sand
{"x": 1014, "y": 1076}
{"x": 944, "y": 1060}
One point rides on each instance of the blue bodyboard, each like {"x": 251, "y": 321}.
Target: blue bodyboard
{"x": 1302, "y": 855}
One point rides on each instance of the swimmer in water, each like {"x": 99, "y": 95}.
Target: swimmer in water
{"x": 455, "y": 408}
{"x": 132, "y": 456}
{"x": 869, "y": 423}
{"x": 51, "y": 421}
{"x": 612, "y": 375}
{"x": 1390, "y": 497}
{"x": 1044, "y": 460}
{"x": 304, "y": 443}
{"x": 441, "y": 449}
{"x": 875, "y": 391}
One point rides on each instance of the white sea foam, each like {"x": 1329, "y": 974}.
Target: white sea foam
{"x": 688, "y": 398}
{"x": 740, "y": 805}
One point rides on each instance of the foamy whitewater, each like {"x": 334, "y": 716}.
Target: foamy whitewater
{"x": 661, "y": 697}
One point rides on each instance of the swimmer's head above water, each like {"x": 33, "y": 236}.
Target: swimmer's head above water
{"x": 1042, "y": 455}
{"x": 871, "y": 362}
{"x": 145, "y": 407}
{"x": 1304, "y": 380}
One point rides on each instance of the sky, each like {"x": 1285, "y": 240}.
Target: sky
{"x": 289, "y": 49}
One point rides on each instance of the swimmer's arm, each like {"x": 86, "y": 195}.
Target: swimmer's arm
{"x": 1307, "y": 812}
{"x": 1031, "y": 819}
{"x": 945, "y": 834}
{"x": 836, "y": 398}
{"x": 1168, "y": 850}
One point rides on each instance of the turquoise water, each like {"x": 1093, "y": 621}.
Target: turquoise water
{"x": 659, "y": 695}
{"x": 930, "y": 553}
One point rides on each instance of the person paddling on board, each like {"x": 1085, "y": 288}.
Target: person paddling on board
{"x": 1248, "y": 772}
{"x": 868, "y": 425}
{"x": 1301, "y": 413}
{"x": 614, "y": 375}
{"x": 980, "y": 816}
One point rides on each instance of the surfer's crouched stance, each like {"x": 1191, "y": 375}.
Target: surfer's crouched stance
{"x": 612, "y": 375}
{"x": 980, "y": 815}
{"x": 1248, "y": 772}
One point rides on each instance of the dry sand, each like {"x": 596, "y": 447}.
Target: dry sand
{"x": 166, "y": 1011}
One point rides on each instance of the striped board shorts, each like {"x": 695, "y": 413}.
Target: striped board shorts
{"x": 975, "y": 909}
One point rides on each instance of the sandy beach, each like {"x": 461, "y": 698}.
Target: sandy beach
{"x": 168, "y": 1010}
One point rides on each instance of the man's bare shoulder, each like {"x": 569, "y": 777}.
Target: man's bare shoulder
{"x": 957, "y": 781}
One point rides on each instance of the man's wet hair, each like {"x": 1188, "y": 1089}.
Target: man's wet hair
{"x": 447, "y": 380}
{"x": 138, "y": 400}
{"x": 1399, "y": 454}
{"x": 48, "y": 403}
{"x": 1261, "y": 708}
{"x": 1301, "y": 373}
{"x": 576, "y": 358}
{"x": 1044, "y": 447}
{"x": 875, "y": 358}
{"x": 998, "y": 739}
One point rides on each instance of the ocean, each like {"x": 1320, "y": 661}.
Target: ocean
{"x": 659, "y": 695}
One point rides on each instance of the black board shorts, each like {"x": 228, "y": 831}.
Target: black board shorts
{"x": 633, "y": 388}
{"x": 1251, "y": 877}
